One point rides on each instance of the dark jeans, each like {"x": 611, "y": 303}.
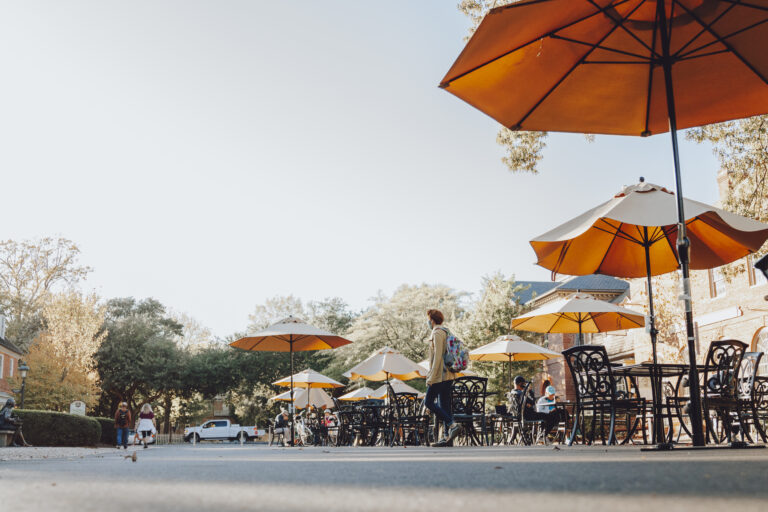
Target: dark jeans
{"x": 549, "y": 419}
{"x": 122, "y": 435}
{"x": 438, "y": 400}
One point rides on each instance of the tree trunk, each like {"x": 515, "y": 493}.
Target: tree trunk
{"x": 168, "y": 404}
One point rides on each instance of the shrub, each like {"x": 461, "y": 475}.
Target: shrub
{"x": 48, "y": 428}
{"x": 107, "y": 430}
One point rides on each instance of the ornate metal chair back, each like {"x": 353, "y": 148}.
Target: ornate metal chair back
{"x": 722, "y": 367}
{"x": 747, "y": 373}
{"x": 469, "y": 395}
{"x": 592, "y": 373}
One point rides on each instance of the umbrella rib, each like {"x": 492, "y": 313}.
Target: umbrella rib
{"x": 708, "y": 54}
{"x": 745, "y": 4}
{"x": 618, "y": 232}
{"x": 616, "y": 25}
{"x": 601, "y": 47}
{"x": 650, "y": 82}
{"x": 735, "y": 33}
{"x": 629, "y": 32}
{"x": 494, "y": 59}
{"x": 615, "y": 236}
{"x": 725, "y": 43}
{"x": 679, "y": 52}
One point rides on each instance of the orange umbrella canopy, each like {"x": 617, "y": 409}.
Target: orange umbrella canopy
{"x": 594, "y": 66}
{"x": 612, "y": 238}
{"x": 290, "y": 334}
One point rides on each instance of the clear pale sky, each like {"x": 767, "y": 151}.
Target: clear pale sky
{"x": 212, "y": 154}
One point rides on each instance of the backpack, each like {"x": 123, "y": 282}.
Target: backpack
{"x": 122, "y": 418}
{"x": 456, "y": 357}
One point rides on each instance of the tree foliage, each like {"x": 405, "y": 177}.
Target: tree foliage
{"x": 62, "y": 356}
{"x": 29, "y": 271}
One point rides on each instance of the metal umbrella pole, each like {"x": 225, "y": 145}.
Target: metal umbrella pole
{"x": 293, "y": 405}
{"x": 683, "y": 243}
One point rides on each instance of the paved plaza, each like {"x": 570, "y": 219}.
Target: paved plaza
{"x": 228, "y": 477}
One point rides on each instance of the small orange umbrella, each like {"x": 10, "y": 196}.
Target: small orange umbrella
{"x": 623, "y": 67}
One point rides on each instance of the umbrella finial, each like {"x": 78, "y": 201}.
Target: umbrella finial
{"x": 642, "y": 179}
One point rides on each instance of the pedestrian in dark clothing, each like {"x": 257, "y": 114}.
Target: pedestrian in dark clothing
{"x": 549, "y": 419}
{"x": 122, "y": 422}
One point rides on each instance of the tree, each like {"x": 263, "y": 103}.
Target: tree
{"x": 489, "y": 317}
{"x": 63, "y": 354}
{"x": 29, "y": 271}
{"x": 399, "y": 322}
{"x": 139, "y": 358}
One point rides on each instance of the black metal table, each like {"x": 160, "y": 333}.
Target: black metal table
{"x": 657, "y": 373}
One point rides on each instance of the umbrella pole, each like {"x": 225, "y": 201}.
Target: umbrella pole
{"x": 293, "y": 405}
{"x": 651, "y": 317}
{"x": 683, "y": 242}
{"x": 581, "y": 340}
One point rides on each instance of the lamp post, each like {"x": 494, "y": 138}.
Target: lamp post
{"x": 23, "y": 369}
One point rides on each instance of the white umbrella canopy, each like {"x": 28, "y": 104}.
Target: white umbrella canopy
{"x": 317, "y": 398}
{"x": 464, "y": 373}
{"x": 511, "y": 348}
{"x": 357, "y": 395}
{"x": 579, "y": 313}
{"x": 309, "y": 378}
{"x": 398, "y": 386}
{"x": 384, "y": 364}
{"x": 612, "y": 238}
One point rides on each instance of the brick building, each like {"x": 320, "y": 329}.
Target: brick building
{"x": 9, "y": 362}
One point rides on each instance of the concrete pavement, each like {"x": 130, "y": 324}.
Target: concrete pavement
{"x": 228, "y": 477}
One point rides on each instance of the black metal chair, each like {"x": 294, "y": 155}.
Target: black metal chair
{"x": 341, "y": 433}
{"x": 761, "y": 402}
{"x": 468, "y": 408}
{"x": 745, "y": 394}
{"x": 409, "y": 422}
{"x": 529, "y": 431}
{"x": 720, "y": 388}
{"x": 597, "y": 397}
{"x": 503, "y": 425}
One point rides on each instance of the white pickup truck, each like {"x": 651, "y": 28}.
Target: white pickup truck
{"x": 221, "y": 430}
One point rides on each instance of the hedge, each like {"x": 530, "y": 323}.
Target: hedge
{"x": 108, "y": 435}
{"x": 48, "y": 428}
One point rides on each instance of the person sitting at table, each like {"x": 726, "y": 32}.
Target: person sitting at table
{"x": 546, "y": 403}
{"x": 283, "y": 426}
{"x": 548, "y": 419}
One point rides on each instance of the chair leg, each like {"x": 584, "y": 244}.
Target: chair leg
{"x": 576, "y": 421}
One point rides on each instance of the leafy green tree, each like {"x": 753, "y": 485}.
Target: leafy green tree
{"x": 139, "y": 359}
{"x": 489, "y": 317}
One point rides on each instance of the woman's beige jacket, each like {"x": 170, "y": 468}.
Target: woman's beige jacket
{"x": 437, "y": 371}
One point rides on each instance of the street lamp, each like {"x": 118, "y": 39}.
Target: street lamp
{"x": 23, "y": 369}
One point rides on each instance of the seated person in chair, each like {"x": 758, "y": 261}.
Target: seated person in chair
{"x": 549, "y": 419}
{"x": 283, "y": 426}
{"x": 546, "y": 403}
{"x": 8, "y": 422}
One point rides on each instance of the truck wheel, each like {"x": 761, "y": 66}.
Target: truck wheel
{"x": 196, "y": 438}
{"x": 242, "y": 437}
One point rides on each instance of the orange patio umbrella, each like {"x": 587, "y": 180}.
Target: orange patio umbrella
{"x": 290, "y": 335}
{"x": 623, "y": 67}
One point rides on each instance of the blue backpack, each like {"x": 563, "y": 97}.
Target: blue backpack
{"x": 456, "y": 357}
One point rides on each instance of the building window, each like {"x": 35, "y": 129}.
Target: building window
{"x": 760, "y": 344}
{"x": 716, "y": 282}
{"x": 2, "y": 365}
{"x": 10, "y": 366}
{"x": 755, "y": 276}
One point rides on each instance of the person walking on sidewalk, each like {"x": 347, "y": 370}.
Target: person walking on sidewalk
{"x": 122, "y": 421}
{"x": 146, "y": 423}
{"x": 440, "y": 380}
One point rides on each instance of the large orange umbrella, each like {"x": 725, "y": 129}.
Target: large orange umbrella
{"x": 613, "y": 66}
{"x": 290, "y": 335}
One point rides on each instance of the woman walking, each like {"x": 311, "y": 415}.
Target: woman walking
{"x": 439, "y": 380}
{"x": 146, "y": 423}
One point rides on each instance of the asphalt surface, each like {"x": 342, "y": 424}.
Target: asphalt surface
{"x": 228, "y": 477}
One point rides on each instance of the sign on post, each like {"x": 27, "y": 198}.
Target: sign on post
{"x": 77, "y": 407}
